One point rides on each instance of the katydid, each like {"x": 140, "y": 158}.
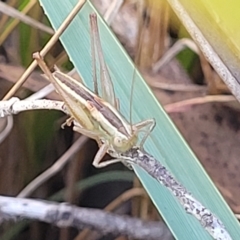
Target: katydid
{"x": 97, "y": 117}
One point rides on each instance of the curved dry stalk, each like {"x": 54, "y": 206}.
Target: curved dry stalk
{"x": 15, "y": 105}
{"x": 173, "y": 51}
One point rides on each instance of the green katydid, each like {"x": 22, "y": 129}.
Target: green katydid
{"x": 97, "y": 117}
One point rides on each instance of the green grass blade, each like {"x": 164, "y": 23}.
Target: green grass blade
{"x": 165, "y": 143}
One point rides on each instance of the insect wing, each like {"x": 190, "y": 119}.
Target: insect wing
{"x": 107, "y": 88}
{"x": 69, "y": 89}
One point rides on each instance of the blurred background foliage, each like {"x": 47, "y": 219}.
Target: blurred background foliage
{"x": 148, "y": 31}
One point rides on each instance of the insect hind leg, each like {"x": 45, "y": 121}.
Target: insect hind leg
{"x": 147, "y": 127}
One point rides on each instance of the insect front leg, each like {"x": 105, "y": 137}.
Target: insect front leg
{"x": 105, "y": 148}
{"x": 100, "y": 154}
{"x": 145, "y": 126}
{"x": 109, "y": 162}
{"x": 68, "y": 122}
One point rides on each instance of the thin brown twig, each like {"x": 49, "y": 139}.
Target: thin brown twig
{"x": 177, "y": 87}
{"x": 55, "y": 168}
{"x": 14, "y": 13}
{"x": 16, "y": 21}
{"x": 237, "y": 216}
{"x": 182, "y": 105}
{"x": 127, "y": 195}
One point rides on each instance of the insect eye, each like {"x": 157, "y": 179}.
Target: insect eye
{"x": 118, "y": 142}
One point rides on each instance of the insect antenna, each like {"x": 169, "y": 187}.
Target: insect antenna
{"x": 139, "y": 43}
